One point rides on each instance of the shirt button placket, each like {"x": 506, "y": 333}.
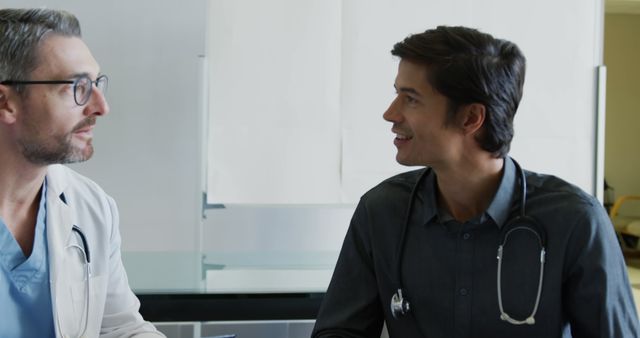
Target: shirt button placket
{"x": 464, "y": 284}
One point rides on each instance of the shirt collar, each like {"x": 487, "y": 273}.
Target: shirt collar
{"x": 500, "y": 206}
{"x": 428, "y": 189}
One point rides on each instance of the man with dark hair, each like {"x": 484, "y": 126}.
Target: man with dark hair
{"x": 61, "y": 274}
{"x": 420, "y": 253}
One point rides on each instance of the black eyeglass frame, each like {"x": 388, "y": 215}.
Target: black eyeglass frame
{"x": 103, "y": 80}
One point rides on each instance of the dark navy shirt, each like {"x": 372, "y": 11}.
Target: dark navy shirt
{"x": 449, "y": 269}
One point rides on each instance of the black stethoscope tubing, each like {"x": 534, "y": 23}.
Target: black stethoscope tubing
{"x": 401, "y": 306}
{"x": 85, "y": 246}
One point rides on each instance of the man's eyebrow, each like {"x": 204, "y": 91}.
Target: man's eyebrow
{"x": 407, "y": 90}
{"x": 77, "y": 75}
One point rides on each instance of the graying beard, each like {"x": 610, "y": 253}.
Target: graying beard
{"x": 63, "y": 154}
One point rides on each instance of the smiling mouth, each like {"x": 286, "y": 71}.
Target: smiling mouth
{"x": 400, "y": 136}
{"x": 401, "y": 140}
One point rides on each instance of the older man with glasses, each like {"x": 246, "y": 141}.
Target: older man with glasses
{"x": 60, "y": 268}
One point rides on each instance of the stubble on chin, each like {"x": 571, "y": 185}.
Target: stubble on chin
{"x": 57, "y": 150}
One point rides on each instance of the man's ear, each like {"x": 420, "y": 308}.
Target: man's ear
{"x": 7, "y": 105}
{"x": 473, "y": 116}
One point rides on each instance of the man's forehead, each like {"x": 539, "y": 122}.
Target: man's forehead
{"x": 412, "y": 75}
{"x": 63, "y": 57}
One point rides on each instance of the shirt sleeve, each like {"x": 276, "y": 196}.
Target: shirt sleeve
{"x": 597, "y": 295}
{"x": 351, "y": 306}
{"x": 121, "y": 314}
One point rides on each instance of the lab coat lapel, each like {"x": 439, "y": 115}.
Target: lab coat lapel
{"x": 59, "y": 224}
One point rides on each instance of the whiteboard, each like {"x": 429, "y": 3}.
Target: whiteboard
{"x": 555, "y": 126}
{"x": 274, "y": 93}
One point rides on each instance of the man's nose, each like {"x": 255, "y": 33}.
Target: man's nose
{"x": 392, "y": 113}
{"x": 97, "y": 104}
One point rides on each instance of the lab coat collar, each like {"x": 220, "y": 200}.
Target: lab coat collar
{"x": 59, "y": 218}
{"x": 57, "y": 180}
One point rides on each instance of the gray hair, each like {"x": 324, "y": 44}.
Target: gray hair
{"x": 21, "y": 31}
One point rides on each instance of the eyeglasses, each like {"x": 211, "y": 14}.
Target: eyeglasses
{"x": 82, "y": 86}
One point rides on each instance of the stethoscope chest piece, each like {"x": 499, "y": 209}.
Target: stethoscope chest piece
{"x": 399, "y": 305}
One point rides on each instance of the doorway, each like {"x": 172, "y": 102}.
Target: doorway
{"x": 622, "y": 126}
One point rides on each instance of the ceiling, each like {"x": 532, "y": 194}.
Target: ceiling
{"x": 622, "y": 6}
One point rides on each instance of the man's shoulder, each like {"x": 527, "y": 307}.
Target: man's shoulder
{"x": 551, "y": 188}
{"x": 395, "y": 186}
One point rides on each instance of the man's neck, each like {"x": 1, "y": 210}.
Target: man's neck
{"x": 20, "y": 184}
{"x": 467, "y": 188}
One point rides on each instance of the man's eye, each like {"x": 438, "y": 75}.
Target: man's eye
{"x": 410, "y": 99}
{"x": 69, "y": 87}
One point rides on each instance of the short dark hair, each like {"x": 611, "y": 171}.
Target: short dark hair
{"x": 21, "y": 31}
{"x": 468, "y": 66}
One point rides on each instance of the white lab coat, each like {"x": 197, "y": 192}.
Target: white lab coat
{"x": 73, "y": 199}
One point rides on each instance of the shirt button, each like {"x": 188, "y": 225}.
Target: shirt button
{"x": 466, "y": 235}
{"x": 463, "y": 292}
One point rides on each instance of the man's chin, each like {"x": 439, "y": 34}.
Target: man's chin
{"x": 407, "y": 162}
{"x": 403, "y": 161}
{"x": 80, "y": 155}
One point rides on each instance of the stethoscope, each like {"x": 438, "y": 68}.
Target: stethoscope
{"x": 84, "y": 250}
{"x": 400, "y": 305}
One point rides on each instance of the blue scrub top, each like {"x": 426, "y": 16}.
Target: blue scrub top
{"x": 25, "y": 292}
